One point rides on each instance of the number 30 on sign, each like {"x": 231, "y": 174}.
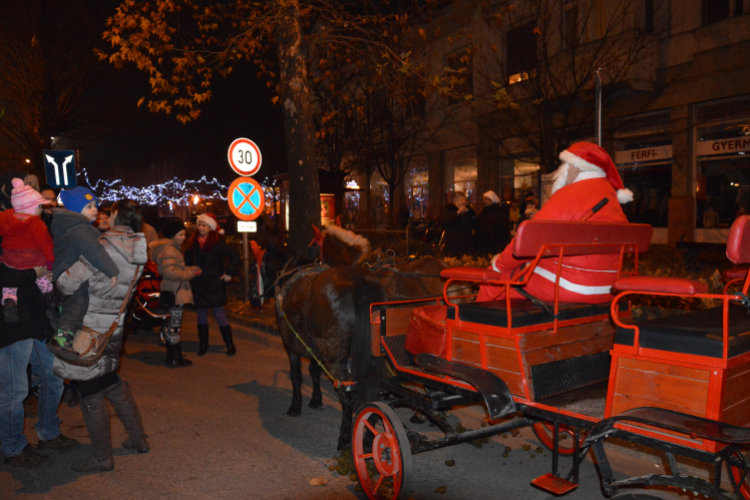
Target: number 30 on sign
{"x": 244, "y": 157}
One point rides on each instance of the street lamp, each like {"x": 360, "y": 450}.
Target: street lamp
{"x": 28, "y": 161}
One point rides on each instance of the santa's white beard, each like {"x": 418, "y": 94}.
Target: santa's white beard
{"x": 561, "y": 177}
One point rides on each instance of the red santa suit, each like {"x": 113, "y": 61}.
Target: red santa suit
{"x": 585, "y": 278}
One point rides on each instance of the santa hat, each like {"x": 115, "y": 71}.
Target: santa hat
{"x": 589, "y": 157}
{"x": 211, "y": 221}
{"x": 492, "y": 196}
{"x": 25, "y": 198}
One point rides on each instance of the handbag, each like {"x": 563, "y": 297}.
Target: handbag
{"x": 89, "y": 345}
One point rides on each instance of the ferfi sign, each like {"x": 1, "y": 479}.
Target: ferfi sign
{"x": 244, "y": 157}
{"x": 246, "y": 199}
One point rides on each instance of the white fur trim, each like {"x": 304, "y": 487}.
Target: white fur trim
{"x": 578, "y": 162}
{"x": 624, "y": 196}
{"x": 587, "y": 174}
{"x": 350, "y": 238}
{"x": 560, "y": 177}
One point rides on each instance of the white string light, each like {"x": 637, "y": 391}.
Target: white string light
{"x": 174, "y": 191}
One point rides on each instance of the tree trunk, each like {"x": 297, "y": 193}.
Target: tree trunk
{"x": 294, "y": 95}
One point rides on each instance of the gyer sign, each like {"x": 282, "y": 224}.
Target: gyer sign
{"x": 723, "y": 146}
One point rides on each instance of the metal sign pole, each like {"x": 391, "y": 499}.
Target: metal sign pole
{"x": 246, "y": 266}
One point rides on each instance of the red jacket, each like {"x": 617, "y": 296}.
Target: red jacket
{"x": 585, "y": 278}
{"x": 26, "y": 242}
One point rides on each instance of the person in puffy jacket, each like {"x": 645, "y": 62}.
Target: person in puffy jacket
{"x": 127, "y": 248}
{"x": 207, "y": 250}
{"x": 175, "y": 286}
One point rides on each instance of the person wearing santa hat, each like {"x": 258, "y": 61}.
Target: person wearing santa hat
{"x": 493, "y": 225}
{"x": 586, "y": 176}
{"x": 219, "y": 263}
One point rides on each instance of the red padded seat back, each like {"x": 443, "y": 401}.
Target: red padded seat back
{"x": 738, "y": 243}
{"x": 532, "y": 235}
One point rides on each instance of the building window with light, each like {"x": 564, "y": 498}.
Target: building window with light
{"x": 521, "y": 53}
{"x": 417, "y": 187}
{"x": 461, "y": 173}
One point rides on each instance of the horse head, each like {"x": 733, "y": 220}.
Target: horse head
{"x": 264, "y": 269}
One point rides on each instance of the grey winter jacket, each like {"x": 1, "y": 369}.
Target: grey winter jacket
{"x": 74, "y": 237}
{"x": 175, "y": 274}
{"x": 128, "y": 250}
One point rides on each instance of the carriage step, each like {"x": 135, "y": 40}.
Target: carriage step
{"x": 553, "y": 484}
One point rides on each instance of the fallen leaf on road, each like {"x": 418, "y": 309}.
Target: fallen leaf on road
{"x": 318, "y": 481}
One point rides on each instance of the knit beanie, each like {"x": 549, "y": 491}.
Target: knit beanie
{"x": 211, "y": 221}
{"x": 77, "y": 198}
{"x": 172, "y": 228}
{"x": 25, "y": 198}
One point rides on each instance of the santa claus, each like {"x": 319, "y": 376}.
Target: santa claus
{"x": 586, "y": 176}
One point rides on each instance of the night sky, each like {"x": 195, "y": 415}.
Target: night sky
{"x": 145, "y": 148}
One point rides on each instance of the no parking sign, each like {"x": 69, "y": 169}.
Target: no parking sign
{"x": 246, "y": 198}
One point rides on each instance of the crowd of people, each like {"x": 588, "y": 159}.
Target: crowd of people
{"x": 67, "y": 275}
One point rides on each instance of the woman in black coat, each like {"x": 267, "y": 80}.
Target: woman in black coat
{"x": 206, "y": 250}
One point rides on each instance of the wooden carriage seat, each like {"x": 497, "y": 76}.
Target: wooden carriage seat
{"x": 697, "y": 333}
{"x": 525, "y": 313}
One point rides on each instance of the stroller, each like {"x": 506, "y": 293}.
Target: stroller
{"x": 145, "y": 313}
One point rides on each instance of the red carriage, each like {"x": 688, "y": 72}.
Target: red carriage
{"x": 674, "y": 384}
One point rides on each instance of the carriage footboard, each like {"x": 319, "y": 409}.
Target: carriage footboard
{"x": 492, "y": 388}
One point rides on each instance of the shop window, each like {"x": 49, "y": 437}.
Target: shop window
{"x": 521, "y": 53}
{"x": 417, "y": 188}
{"x": 651, "y": 187}
{"x": 461, "y": 173}
{"x": 461, "y": 61}
{"x": 379, "y": 195}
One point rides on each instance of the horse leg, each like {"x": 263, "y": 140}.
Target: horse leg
{"x": 295, "y": 373}
{"x": 317, "y": 396}
{"x": 347, "y": 420}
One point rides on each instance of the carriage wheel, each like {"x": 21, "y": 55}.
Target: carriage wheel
{"x": 544, "y": 430}
{"x": 736, "y": 476}
{"x": 382, "y": 456}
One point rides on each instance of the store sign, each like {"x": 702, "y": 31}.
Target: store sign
{"x": 644, "y": 154}
{"x": 723, "y": 146}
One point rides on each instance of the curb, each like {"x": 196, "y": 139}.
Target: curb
{"x": 239, "y": 320}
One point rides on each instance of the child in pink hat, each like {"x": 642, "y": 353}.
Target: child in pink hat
{"x": 26, "y": 242}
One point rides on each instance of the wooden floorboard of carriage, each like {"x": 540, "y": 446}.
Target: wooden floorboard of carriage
{"x": 219, "y": 430}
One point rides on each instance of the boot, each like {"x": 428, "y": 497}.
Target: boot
{"x": 226, "y": 334}
{"x": 174, "y": 356}
{"x": 122, "y": 401}
{"x": 96, "y": 416}
{"x": 202, "y": 339}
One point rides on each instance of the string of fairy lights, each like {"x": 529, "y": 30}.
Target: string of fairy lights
{"x": 172, "y": 192}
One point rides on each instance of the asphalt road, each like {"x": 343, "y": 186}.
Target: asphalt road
{"x": 219, "y": 429}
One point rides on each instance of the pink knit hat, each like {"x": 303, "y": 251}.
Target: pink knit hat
{"x": 25, "y": 198}
{"x": 211, "y": 221}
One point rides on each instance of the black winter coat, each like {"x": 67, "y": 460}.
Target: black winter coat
{"x": 458, "y": 231}
{"x": 493, "y": 229}
{"x": 209, "y": 290}
{"x": 32, "y": 321}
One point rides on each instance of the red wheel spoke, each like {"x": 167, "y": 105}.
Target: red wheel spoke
{"x": 377, "y": 485}
{"x": 369, "y": 426}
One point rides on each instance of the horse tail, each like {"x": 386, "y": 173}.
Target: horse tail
{"x": 367, "y": 370}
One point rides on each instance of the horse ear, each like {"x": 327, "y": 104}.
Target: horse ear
{"x": 316, "y": 232}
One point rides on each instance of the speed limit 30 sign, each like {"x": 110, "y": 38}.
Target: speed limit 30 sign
{"x": 244, "y": 157}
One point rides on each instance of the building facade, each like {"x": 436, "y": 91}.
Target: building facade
{"x": 675, "y": 116}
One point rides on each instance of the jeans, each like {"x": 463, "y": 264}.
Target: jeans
{"x": 219, "y": 315}
{"x": 14, "y": 387}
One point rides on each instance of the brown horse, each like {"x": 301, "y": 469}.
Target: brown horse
{"x": 324, "y": 315}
